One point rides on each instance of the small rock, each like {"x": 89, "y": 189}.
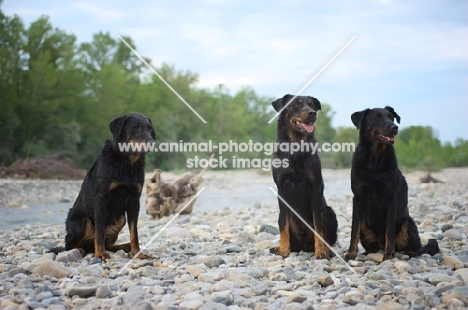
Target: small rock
{"x": 81, "y": 291}
{"x": 453, "y": 234}
{"x": 103, "y": 291}
{"x": 457, "y": 295}
{"x": 296, "y": 298}
{"x": 211, "y": 305}
{"x": 8, "y": 303}
{"x": 192, "y": 304}
{"x": 462, "y": 272}
{"x": 436, "y": 278}
{"x": 376, "y": 257}
{"x": 325, "y": 280}
{"x": 269, "y": 229}
{"x": 401, "y": 266}
{"x": 225, "y": 300}
{"x": 52, "y": 268}
{"x": 455, "y": 303}
{"x": 260, "y": 289}
{"x": 235, "y": 275}
{"x": 213, "y": 261}
{"x": 263, "y": 245}
{"x": 453, "y": 262}
{"x": 44, "y": 258}
{"x": 195, "y": 271}
{"x": 223, "y": 227}
{"x": 233, "y": 249}
{"x": 446, "y": 227}
{"x": 16, "y": 271}
{"x": 133, "y": 295}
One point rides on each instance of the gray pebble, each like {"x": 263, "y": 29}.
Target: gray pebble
{"x": 269, "y": 229}
{"x": 213, "y": 261}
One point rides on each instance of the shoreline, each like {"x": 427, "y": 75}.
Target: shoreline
{"x": 15, "y": 193}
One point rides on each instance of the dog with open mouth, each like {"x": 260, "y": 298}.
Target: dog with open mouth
{"x": 381, "y": 219}
{"x": 300, "y": 183}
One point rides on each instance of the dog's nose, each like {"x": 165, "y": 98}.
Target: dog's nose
{"x": 312, "y": 113}
{"x": 395, "y": 128}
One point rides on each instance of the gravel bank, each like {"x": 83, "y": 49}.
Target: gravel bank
{"x": 219, "y": 259}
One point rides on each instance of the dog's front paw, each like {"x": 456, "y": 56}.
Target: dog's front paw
{"x": 388, "y": 256}
{"x": 350, "y": 256}
{"x": 324, "y": 254}
{"x": 277, "y": 250}
{"x": 142, "y": 256}
{"x": 102, "y": 255}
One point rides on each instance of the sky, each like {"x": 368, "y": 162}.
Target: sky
{"x": 411, "y": 55}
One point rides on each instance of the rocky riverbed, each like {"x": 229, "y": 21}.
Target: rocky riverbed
{"x": 218, "y": 258}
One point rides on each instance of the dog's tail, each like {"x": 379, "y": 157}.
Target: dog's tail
{"x": 431, "y": 248}
{"x": 56, "y": 250}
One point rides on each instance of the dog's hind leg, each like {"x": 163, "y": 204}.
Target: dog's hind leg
{"x": 330, "y": 225}
{"x": 408, "y": 240}
{"x": 80, "y": 233}
{"x": 126, "y": 247}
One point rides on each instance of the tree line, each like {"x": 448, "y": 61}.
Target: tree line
{"x": 59, "y": 95}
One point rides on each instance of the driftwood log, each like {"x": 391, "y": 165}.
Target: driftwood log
{"x": 429, "y": 179}
{"x": 165, "y": 198}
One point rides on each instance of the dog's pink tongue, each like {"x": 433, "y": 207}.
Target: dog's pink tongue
{"x": 391, "y": 138}
{"x": 308, "y": 128}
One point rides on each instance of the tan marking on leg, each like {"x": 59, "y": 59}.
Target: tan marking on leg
{"x": 134, "y": 158}
{"x": 113, "y": 185}
{"x": 402, "y": 237}
{"x": 111, "y": 232}
{"x": 321, "y": 250}
{"x": 139, "y": 188}
{"x": 354, "y": 243}
{"x": 88, "y": 236}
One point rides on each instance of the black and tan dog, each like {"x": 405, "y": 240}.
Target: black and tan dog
{"x": 300, "y": 184}
{"x": 111, "y": 190}
{"x": 381, "y": 220}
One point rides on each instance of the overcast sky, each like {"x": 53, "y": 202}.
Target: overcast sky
{"x": 411, "y": 55}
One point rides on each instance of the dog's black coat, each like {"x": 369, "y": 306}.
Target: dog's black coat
{"x": 111, "y": 190}
{"x": 301, "y": 184}
{"x": 381, "y": 220}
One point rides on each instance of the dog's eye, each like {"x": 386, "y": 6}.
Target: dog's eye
{"x": 298, "y": 104}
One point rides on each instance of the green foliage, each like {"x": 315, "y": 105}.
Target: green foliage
{"x": 58, "y": 95}
{"x": 418, "y": 147}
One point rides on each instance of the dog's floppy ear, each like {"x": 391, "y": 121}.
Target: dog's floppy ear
{"x": 153, "y": 133}
{"x": 316, "y": 103}
{"x": 390, "y": 109}
{"x": 116, "y": 126}
{"x": 358, "y": 117}
{"x": 278, "y": 104}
